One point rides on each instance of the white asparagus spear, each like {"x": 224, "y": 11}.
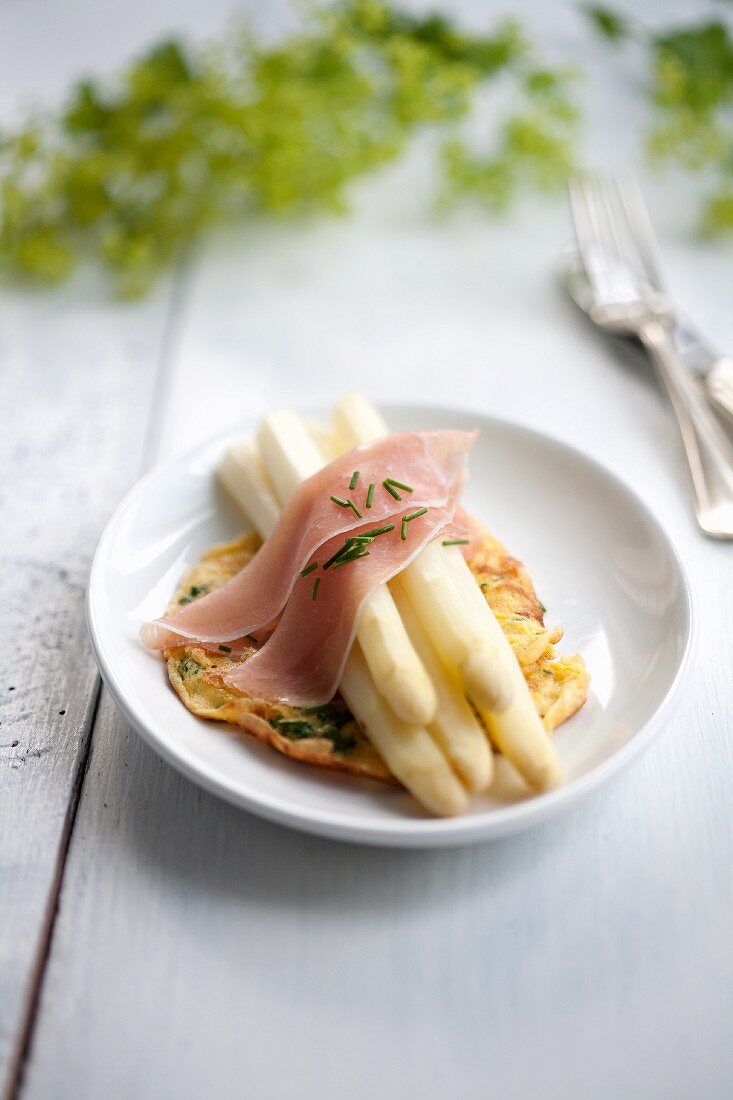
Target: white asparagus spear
{"x": 290, "y": 456}
{"x": 240, "y": 472}
{"x": 461, "y": 642}
{"x": 408, "y": 750}
{"x": 516, "y": 730}
{"x": 511, "y": 718}
{"x": 455, "y": 726}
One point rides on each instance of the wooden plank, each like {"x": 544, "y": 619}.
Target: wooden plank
{"x": 78, "y": 378}
{"x": 200, "y": 952}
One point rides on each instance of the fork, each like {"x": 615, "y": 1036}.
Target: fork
{"x": 619, "y": 252}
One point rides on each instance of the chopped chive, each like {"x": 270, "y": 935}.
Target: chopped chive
{"x": 354, "y": 509}
{"x": 378, "y": 531}
{"x": 392, "y": 492}
{"x": 339, "y": 554}
{"x": 252, "y": 638}
{"x": 309, "y": 569}
{"x": 225, "y": 648}
{"x": 370, "y": 495}
{"x": 355, "y": 543}
{"x": 316, "y": 584}
{"x": 400, "y": 485}
{"x": 343, "y": 550}
{"x": 354, "y": 480}
{"x": 341, "y": 503}
{"x": 350, "y": 558}
{"x": 417, "y": 514}
{"x": 403, "y": 534}
{"x": 484, "y": 586}
{"x": 544, "y": 609}
{"x": 329, "y": 710}
{"x": 455, "y": 542}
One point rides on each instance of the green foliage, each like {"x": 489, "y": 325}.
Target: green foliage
{"x": 190, "y": 137}
{"x": 691, "y": 91}
{"x": 610, "y": 24}
{"x": 693, "y": 126}
{"x": 535, "y": 147}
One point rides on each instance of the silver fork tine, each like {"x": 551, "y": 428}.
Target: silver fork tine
{"x": 628, "y": 249}
{"x": 581, "y": 221}
{"x": 588, "y": 230}
{"x": 618, "y": 248}
{"x": 620, "y": 260}
{"x": 612, "y": 240}
{"x": 637, "y": 213}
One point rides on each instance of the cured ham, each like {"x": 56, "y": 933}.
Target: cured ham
{"x": 302, "y": 661}
{"x": 313, "y": 526}
{"x": 466, "y": 527}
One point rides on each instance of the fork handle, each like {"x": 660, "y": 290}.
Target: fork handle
{"x": 709, "y": 453}
{"x": 719, "y": 385}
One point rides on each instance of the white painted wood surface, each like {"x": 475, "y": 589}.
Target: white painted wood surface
{"x": 78, "y": 381}
{"x": 200, "y": 952}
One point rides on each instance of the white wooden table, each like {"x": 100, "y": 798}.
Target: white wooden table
{"x": 157, "y": 943}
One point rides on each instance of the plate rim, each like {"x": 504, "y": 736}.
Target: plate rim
{"x": 410, "y": 833}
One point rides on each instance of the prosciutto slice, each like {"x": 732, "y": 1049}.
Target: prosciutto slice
{"x": 312, "y": 527}
{"x": 302, "y": 661}
{"x": 466, "y": 526}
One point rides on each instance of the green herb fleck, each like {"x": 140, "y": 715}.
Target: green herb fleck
{"x": 323, "y": 710}
{"x": 403, "y": 532}
{"x": 391, "y": 490}
{"x": 455, "y": 542}
{"x": 353, "y": 548}
{"x": 316, "y": 586}
{"x": 370, "y": 495}
{"x": 225, "y": 648}
{"x": 194, "y": 592}
{"x": 332, "y": 723}
{"x": 352, "y": 557}
{"x": 293, "y": 728}
{"x": 188, "y": 667}
{"x": 416, "y": 515}
{"x": 400, "y": 485}
{"x": 354, "y": 509}
{"x": 341, "y": 503}
{"x": 252, "y": 638}
{"x": 354, "y": 480}
{"x": 342, "y": 550}
{"x": 544, "y": 609}
{"x": 484, "y": 586}
{"x": 378, "y": 531}
{"x": 309, "y": 569}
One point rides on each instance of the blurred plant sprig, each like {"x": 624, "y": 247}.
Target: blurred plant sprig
{"x": 193, "y": 136}
{"x": 691, "y": 91}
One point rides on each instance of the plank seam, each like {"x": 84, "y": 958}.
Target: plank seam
{"x": 23, "y": 1046}
{"x": 22, "y": 1049}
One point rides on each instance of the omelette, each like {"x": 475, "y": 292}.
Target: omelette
{"x": 329, "y": 736}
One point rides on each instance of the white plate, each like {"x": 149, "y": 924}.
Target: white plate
{"x": 598, "y": 558}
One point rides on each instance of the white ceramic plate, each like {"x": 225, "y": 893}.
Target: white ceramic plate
{"x": 598, "y": 558}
